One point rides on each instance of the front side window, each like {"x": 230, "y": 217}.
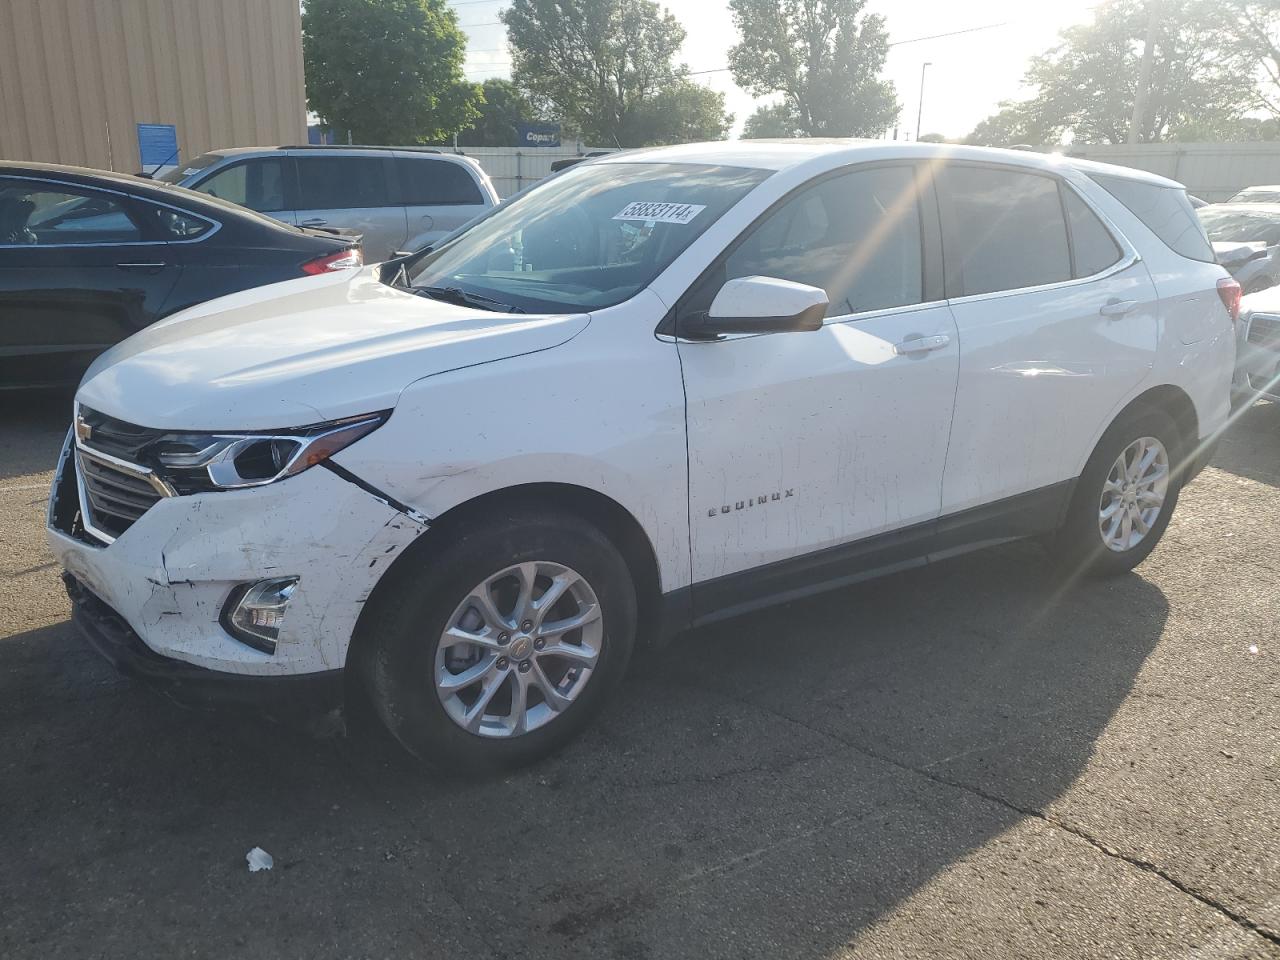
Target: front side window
{"x": 425, "y": 182}
{"x": 589, "y": 238}
{"x": 342, "y": 183}
{"x": 856, "y": 236}
{"x": 1009, "y": 229}
{"x": 39, "y": 214}
{"x": 256, "y": 184}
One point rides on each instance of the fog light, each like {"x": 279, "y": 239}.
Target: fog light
{"x": 254, "y": 613}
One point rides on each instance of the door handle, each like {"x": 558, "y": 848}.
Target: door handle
{"x": 148, "y": 267}
{"x": 1116, "y": 308}
{"x": 918, "y": 345}
{"x": 313, "y": 222}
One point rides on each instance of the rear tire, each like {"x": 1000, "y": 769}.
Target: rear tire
{"x": 498, "y": 702}
{"x": 1122, "y": 503}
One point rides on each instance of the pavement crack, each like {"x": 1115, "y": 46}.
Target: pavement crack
{"x": 1236, "y": 917}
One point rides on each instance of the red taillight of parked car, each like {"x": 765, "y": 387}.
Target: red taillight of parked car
{"x": 334, "y": 261}
{"x": 1229, "y": 291}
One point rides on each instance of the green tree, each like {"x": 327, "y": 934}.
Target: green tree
{"x": 606, "y": 68}
{"x": 824, "y": 56}
{"x": 390, "y": 71}
{"x": 1084, "y": 88}
{"x": 1248, "y": 38}
{"x": 503, "y": 108}
{"x": 773, "y": 122}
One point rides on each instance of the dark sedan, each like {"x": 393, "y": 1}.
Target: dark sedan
{"x": 89, "y": 257}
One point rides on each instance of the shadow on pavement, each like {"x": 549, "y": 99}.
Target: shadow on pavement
{"x": 1251, "y": 447}
{"x": 768, "y": 787}
{"x": 35, "y": 423}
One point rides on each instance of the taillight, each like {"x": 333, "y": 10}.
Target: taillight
{"x": 334, "y": 261}
{"x": 1230, "y": 292}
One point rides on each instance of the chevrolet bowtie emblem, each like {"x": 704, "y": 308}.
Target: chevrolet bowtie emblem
{"x": 83, "y": 430}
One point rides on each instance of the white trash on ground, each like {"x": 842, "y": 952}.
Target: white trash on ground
{"x": 258, "y": 859}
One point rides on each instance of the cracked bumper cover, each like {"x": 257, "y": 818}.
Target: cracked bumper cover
{"x": 167, "y": 577}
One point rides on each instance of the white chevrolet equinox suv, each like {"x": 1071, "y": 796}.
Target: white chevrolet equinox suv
{"x": 660, "y": 389}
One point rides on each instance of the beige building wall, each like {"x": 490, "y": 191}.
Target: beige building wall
{"x": 77, "y": 76}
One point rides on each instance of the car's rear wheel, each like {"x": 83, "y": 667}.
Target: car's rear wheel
{"x": 504, "y": 644}
{"x": 1124, "y": 498}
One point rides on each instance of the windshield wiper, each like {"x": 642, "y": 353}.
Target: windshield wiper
{"x": 464, "y": 298}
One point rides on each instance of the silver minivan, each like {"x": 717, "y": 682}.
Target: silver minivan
{"x": 397, "y": 198}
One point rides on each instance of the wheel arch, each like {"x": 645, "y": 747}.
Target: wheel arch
{"x": 614, "y": 520}
{"x": 1166, "y": 398}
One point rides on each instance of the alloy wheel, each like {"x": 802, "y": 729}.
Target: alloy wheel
{"x": 519, "y": 649}
{"x": 1133, "y": 494}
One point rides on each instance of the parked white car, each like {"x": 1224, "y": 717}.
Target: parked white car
{"x": 658, "y": 390}
{"x": 1258, "y": 348}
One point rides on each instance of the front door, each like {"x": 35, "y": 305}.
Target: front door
{"x": 80, "y": 270}
{"x": 809, "y": 444}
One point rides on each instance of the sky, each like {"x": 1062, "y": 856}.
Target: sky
{"x": 968, "y": 77}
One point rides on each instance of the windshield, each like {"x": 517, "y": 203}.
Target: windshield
{"x": 180, "y": 173}
{"x": 590, "y": 238}
{"x": 1233, "y": 226}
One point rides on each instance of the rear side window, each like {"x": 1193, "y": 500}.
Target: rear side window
{"x": 256, "y": 184}
{"x": 1091, "y": 242}
{"x": 176, "y": 225}
{"x": 340, "y": 183}
{"x": 1009, "y": 228}
{"x": 425, "y": 182}
{"x": 1167, "y": 213}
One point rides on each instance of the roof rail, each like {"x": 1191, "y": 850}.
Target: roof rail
{"x": 352, "y": 146}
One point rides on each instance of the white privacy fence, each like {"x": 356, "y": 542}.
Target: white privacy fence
{"x": 1212, "y": 171}
{"x": 513, "y": 168}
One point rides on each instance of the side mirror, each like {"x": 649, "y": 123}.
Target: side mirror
{"x": 765, "y": 305}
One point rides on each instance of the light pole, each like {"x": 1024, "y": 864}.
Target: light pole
{"x": 920, "y": 109}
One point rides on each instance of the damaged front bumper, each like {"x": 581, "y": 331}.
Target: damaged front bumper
{"x": 167, "y": 577}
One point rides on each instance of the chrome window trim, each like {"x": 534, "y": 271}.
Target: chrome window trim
{"x": 216, "y": 224}
{"x": 1130, "y": 259}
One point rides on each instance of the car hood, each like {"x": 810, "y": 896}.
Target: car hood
{"x": 1234, "y": 253}
{"x": 302, "y": 352}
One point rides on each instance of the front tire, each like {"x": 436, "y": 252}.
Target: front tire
{"x": 1124, "y": 498}
{"x": 502, "y": 646}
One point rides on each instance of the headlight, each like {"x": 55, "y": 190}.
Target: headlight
{"x": 199, "y": 462}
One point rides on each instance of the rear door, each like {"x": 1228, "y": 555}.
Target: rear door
{"x": 351, "y": 193}
{"x": 439, "y": 196}
{"x": 80, "y": 270}
{"x": 1057, "y": 318}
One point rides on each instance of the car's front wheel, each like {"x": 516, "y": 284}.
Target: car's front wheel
{"x": 504, "y": 644}
{"x": 1124, "y": 498}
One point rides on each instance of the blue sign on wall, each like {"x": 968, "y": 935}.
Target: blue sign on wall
{"x": 538, "y": 134}
{"x": 157, "y": 145}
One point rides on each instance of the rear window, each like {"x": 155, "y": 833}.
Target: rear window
{"x": 1233, "y": 225}
{"x": 425, "y": 182}
{"x": 1165, "y": 211}
{"x": 342, "y": 183}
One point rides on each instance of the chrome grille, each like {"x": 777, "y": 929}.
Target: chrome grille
{"x": 1264, "y": 330}
{"x": 113, "y": 492}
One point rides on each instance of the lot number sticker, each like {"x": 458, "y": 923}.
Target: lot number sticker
{"x": 660, "y": 212}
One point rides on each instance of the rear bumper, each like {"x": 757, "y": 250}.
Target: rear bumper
{"x": 188, "y": 684}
